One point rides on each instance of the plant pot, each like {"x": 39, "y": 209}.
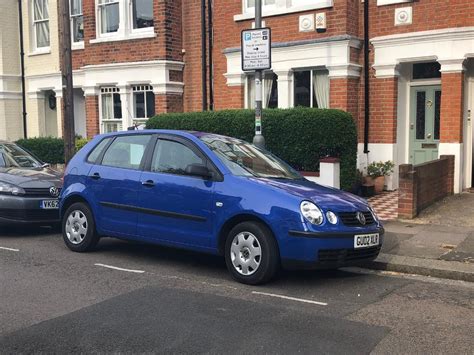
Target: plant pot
{"x": 378, "y": 182}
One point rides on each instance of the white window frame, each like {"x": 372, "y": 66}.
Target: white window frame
{"x": 140, "y": 88}
{"x": 391, "y": 2}
{"x": 282, "y": 7}
{"x": 76, "y": 44}
{"x": 34, "y": 22}
{"x": 99, "y": 8}
{"x": 109, "y": 90}
{"x": 311, "y": 83}
{"x": 144, "y": 30}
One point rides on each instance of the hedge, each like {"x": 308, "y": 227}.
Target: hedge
{"x": 49, "y": 149}
{"x": 300, "y": 136}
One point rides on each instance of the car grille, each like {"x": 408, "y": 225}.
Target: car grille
{"x": 350, "y": 219}
{"x": 341, "y": 256}
{"x": 30, "y": 215}
{"x": 38, "y": 192}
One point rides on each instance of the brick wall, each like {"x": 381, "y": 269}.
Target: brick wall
{"x": 343, "y": 95}
{"x": 168, "y": 103}
{"x": 452, "y": 106}
{"x": 422, "y": 185}
{"x": 92, "y": 116}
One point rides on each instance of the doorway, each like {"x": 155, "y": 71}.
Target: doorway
{"x": 425, "y": 113}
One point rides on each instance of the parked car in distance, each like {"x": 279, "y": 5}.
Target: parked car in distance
{"x": 213, "y": 194}
{"x": 29, "y": 188}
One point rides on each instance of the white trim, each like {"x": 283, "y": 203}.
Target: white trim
{"x": 117, "y": 38}
{"x": 77, "y": 46}
{"x": 10, "y": 95}
{"x": 40, "y": 51}
{"x": 391, "y": 2}
{"x": 452, "y": 65}
{"x": 282, "y": 10}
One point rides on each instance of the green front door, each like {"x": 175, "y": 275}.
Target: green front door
{"x": 425, "y": 102}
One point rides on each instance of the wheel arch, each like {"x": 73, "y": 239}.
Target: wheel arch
{"x": 235, "y": 220}
{"x": 70, "y": 200}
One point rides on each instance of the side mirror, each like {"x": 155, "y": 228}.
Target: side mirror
{"x": 198, "y": 170}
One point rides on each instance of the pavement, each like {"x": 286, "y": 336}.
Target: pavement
{"x": 439, "y": 243}
{"x": 163, "y": 300}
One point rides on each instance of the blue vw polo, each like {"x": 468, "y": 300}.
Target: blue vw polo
{"x": 213, "y": 194}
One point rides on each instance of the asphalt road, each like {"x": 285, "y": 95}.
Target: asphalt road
{"x": 136, "y": 298}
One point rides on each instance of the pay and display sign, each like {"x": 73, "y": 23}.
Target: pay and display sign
{"x": 256, "y": 49}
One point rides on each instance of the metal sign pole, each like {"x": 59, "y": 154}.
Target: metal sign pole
{"x": 258, "y": 139}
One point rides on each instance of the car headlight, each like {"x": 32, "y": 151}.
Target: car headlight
{"x": 9, "y": 189}
{"x": 331, "y": 217}
{"x": 311, "y": 212}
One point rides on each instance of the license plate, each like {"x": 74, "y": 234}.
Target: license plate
{"x": 366, "y": 241}
{"x": 49, "y": 204}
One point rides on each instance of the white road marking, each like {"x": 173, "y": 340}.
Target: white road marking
{"x": 289, "y": 298}
{"x": 9, "y": 249}
{"x": 120, "y": 269}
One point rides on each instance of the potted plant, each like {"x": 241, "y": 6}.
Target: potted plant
{"x": 377, "y": 171}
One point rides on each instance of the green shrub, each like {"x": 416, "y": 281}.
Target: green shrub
{"x": 48, "y": 149}
{"x": 300, "y": 136}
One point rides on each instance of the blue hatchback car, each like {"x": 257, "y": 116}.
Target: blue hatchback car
{"x": 213, "y": 194}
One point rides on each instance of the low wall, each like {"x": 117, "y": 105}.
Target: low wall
{"x": 422, "y": 185}
{"x": 329, "y": 173}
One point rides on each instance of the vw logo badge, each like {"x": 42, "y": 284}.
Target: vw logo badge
{"x": 54, "y": 191}
{"x": 361, "y": 218}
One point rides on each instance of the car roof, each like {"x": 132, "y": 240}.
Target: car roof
{"x": 183, "y": 133}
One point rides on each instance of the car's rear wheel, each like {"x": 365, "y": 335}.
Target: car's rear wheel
{"x": 78, "y": 226}
{"x": 251, "y": 253}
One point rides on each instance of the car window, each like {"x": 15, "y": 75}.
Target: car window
{"x": 173, "y": 157}
{"x": 126, "y": 152}
{"x": 14, "y": 156}
{"x": 98, "y": 150}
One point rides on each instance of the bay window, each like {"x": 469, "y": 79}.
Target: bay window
{"x": 279, "y": 7}
{"x": 109, "y": 16}
{"x": 270, "y": 91}
{"x": 311, "y": 88}
{"x": 40, "y": 24}
{"x": 111, "y": 110}
{"x": 77, "y": 21}
{"x": 250, "y": 4}
{"x": 143, "y": 103}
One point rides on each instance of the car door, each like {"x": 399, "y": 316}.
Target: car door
{"x": 114, "y": 184}
{"x": 176, "y": 207}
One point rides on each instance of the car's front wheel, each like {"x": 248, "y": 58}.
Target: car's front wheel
{"x": 78, "y": 226}
{"x": 251, "y": 253}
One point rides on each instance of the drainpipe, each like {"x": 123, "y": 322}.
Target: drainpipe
{"x": 367, "y": 80}
{"x": 203, "y": 55}
{"x": 210, "y": 26}
{"x": 22, "y": 64}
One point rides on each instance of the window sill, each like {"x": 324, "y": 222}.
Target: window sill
{"x": 129, "y": 37}
{"x": 286, "y": 10}
{"x": 391, "y": 2}
{"x": 77, "y": 46}
{"x": 46, "y": 50}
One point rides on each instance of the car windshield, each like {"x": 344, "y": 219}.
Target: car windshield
{"x": 245, "y": 159}
{"x": 12, "y": 156}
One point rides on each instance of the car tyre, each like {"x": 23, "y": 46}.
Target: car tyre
{"x": 78, "y": 227}
{"x": 251, "y": 253}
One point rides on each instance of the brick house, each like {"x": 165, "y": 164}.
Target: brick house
{"x": 135, "y": 58}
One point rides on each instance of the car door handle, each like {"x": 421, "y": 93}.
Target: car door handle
{"x": 148, "y": 183}
{"x": 95, "y": 176}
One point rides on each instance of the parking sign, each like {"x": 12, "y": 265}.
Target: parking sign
{"x": 256, "y": 49}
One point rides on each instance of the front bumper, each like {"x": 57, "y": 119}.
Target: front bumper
{"x": 25, "y": 210}
{"x": 327, "y": 250}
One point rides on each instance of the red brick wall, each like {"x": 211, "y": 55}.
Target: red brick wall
{"x": 92, "y": 116}
{"x": 452, "y": 88}
{"x": 383, "y": 111}
{"x": 344, "y": 95}
{"x": 422, "y": 185}
{"x": 168, "y": 103}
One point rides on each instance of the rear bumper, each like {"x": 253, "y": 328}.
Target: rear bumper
{"x": 25, "y": 210}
